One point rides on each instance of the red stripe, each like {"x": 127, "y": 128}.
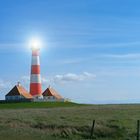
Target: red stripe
{"x": 35, "y": 89}
{"x": 35, "y": 53}
{"x": 35, "y": 69}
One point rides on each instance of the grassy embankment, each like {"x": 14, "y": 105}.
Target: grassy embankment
{"x": 41, "y": 121}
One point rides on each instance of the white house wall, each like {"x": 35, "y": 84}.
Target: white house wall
{"x": 16, "y": 97}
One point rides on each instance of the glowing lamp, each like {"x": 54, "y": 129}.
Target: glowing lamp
{"x": 35, "y": 44}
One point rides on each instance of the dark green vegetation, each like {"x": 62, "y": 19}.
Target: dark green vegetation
{"x": 23, "y": 105}
{"x": 58, "y": 121}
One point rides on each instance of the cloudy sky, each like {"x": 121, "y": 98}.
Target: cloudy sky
{"x": 90, "y": 48}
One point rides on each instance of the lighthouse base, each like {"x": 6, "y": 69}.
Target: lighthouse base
{"x": 38, "y": 97}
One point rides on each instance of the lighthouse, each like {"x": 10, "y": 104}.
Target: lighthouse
{"x": 19, "y": 93}
{"x": 35, "y": 77}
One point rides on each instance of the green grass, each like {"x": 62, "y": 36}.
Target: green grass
{"x": 61, "y": 121}
{"x": 22, "y": 105}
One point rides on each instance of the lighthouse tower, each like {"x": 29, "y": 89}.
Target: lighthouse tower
{"x": 35, "y": 78}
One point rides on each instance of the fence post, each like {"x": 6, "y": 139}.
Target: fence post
{"x": 92, "y": 129}
{"x": 138, "y": 129}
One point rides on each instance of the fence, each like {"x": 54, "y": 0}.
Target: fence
{"x": 137, "y": 128}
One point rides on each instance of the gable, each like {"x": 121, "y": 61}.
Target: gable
{"x": 19, "y": 90}
{"x": 14, "y": 91}
{"x": 51, "y": 92}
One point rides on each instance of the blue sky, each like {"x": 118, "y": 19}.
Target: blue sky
{"x": 91, "y": 48}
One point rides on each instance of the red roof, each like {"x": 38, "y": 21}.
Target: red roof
{"x": 51, "y": 92}
{"x": 19, "y": 90}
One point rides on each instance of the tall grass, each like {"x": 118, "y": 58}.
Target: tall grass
{"x": 59, "y": 121}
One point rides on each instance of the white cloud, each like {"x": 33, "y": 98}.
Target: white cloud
{"x": 121, "y": 44}
{"x": 123, "y": 56}
{"x": 98, "y": 45}
{"x": 62, "y": 78}
{"x": 71, "y": 77}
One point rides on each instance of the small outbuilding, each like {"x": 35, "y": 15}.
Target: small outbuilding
{"x": 51, "y": 94}
{"x": 18, "y": 93}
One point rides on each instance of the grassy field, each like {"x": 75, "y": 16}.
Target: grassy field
{"x": 60, "y": 121}
{"x": 24, "y": 105}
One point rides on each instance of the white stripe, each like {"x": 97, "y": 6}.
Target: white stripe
{"x": 35, "y": 78}
{"x": 35, "y": 60}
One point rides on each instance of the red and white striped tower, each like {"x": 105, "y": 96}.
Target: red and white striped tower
{"x": 35, "y": 78}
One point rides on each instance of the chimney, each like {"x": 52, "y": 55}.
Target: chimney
{"x": 18, "y": 84}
